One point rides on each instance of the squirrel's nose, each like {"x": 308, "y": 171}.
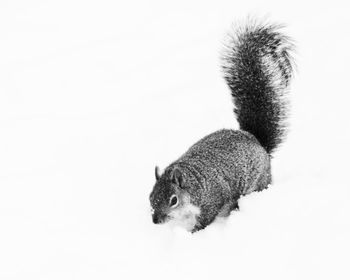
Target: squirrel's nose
{"x": 158, "y": 218}
{"x": 155, "y": 219}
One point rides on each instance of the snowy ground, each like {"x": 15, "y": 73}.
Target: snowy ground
{"x": 94, "y": 94}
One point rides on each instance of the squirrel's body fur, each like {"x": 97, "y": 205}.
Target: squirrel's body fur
{"x": 209, "y": 178}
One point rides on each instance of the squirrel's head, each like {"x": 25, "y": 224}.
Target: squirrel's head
{"x": 170, "y": 199}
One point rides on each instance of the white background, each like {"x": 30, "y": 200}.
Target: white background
{"x": 94, "y": 94}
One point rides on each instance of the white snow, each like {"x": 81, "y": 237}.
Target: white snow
{"x": 94, "y": 94}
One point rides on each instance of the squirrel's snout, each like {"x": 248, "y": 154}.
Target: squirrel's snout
{"x": 157, "y": 218}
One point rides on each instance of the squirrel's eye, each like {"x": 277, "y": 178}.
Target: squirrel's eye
{"x": 173, "y": 201}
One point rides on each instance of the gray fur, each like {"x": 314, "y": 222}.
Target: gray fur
{"x": 221, "y": 167}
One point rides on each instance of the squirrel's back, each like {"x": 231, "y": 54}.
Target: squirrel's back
{"x": 234, "y": 155}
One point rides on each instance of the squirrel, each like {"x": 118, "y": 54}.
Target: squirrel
{"x": 207, "y": 181}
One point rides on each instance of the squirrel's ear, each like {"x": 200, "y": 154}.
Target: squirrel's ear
{"x": 177, "y": 177}
{"x": 156, "y": 172}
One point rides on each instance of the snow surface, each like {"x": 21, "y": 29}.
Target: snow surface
{"x": 94, "y": 94}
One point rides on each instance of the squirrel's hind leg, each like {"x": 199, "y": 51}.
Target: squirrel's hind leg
{"x": 264, "y": 180}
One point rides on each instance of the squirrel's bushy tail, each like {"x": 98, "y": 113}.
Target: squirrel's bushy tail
{"x": 258, "y": 68}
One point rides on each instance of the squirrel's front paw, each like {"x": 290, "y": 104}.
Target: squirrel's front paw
{"x": 199, "y": 226}
{"x": 196, "y": 228}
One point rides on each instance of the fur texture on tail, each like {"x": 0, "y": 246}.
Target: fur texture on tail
{"x": 258, "y": 68}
